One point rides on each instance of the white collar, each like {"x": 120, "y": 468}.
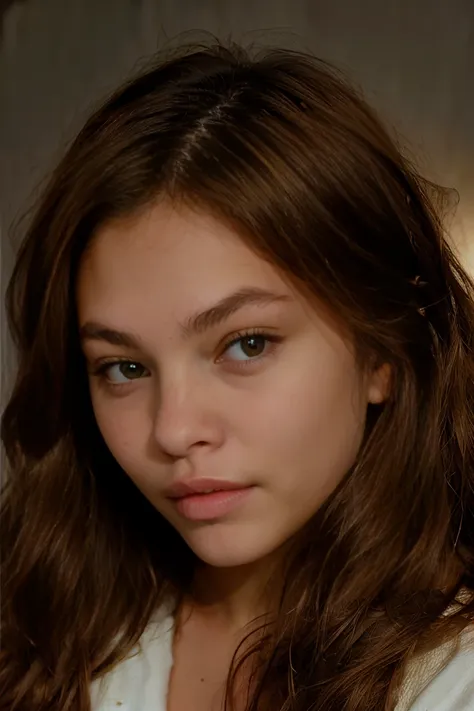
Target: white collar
{"x": 440, "y": 681}
{"x": 140, "y": 682}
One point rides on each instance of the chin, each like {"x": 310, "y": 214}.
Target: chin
{"x": 228, "y": 548}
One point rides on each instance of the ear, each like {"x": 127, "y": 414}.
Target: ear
{"x": 379, "y": 384}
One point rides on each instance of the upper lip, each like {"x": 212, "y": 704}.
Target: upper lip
{"x": 199, "y": 486}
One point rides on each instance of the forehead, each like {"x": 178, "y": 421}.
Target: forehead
{"x": 168, "y": 259}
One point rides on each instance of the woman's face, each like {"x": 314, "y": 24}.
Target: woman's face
{"x": 209, "y": 372}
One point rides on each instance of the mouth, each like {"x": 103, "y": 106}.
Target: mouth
{"x": 206, "y": 499}
{"x": 203, "y": 485}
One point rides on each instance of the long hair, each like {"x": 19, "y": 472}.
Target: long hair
{"x": 283, "y": 150}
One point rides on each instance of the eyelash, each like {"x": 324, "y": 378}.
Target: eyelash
{"x": 101, "y": 370}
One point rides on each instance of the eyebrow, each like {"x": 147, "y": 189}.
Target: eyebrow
{"x": 194, "y": 325}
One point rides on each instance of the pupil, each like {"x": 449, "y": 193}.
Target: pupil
{"x": 130, "y": 370}
{"x": 253, "y": 345}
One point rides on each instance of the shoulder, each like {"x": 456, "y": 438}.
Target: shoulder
{"x": 140, "y": 682}
{"x": 442, "y": 680}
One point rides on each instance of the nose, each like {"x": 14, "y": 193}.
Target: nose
{"x": 186, "y": 419}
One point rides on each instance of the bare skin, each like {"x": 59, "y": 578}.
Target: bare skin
{"x": 209, "y": 630}
{"x": 203, "y": 651}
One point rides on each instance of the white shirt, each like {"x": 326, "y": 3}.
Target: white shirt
{"x": 440, "y": 681}
{"x": 140, "y": 682}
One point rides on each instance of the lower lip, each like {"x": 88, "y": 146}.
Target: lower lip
{"x": 207, "y": 507}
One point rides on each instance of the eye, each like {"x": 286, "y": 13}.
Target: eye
{"x": 249, "y": 347}
{"x": 123, "y": 371}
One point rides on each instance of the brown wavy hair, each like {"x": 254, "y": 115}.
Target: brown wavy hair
{"x": 281, "y": 148}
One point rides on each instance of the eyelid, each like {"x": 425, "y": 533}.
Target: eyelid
{"x": 103, "y": 363}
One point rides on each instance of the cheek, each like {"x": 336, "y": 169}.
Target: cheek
{"x": 123, "y": 429}
{"x": 311, "y": 427}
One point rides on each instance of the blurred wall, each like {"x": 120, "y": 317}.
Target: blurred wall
{"x": 414, "y": 58}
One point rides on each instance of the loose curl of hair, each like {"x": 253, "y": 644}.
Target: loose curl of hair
{"x": 282, "y": 149}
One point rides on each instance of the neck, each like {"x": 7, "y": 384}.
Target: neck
{"x": 236, "y": 596}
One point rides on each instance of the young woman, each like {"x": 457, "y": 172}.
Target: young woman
{"x": 240, "y": 442}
